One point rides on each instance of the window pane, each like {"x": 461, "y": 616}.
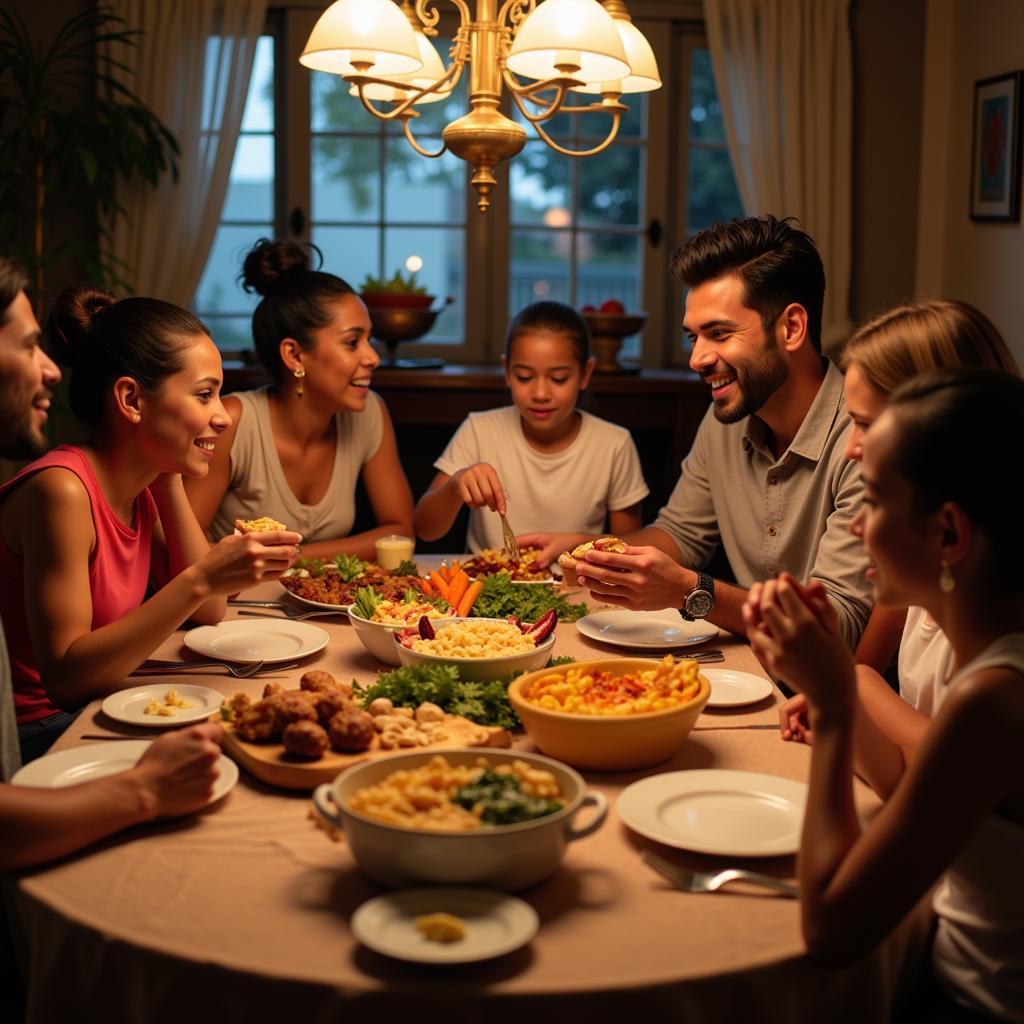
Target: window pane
{"x": 251, "y": 188}
{"x": 539, "y": 184}
{"x": 219, "y": 290}
{"x": 610, "y": 187}
{"x": 230, "y": 332}
{"x": 333, "y": 109}
{"x": 351, "y": 253}
{"x": 437, "y": 255}
{"x": 420, "y": 189}
{"x": 609, "y": 267}
{"x": 346, "y": 179}
{"x": 259, "y": 104}
{"x": 711, "y": 190}
{"x": 706, "y": 123}
{"x": 539, "y": 268}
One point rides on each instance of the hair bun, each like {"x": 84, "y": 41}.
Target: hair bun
{"x": 71, "y": 316}
{"x": 269, "y": 262}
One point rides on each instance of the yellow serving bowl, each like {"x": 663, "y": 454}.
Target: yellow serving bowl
{"x": 607, "y": 743}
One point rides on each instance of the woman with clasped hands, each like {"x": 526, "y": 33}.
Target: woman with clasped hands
{"x": 941, "y": 535}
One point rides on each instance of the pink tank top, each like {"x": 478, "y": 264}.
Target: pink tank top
{"x": 118, "y": 575}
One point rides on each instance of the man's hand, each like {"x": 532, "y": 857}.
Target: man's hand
{"x": 551, "y": 545}
{"x": 641, "y": 578}
{"x": 178, "y": 771}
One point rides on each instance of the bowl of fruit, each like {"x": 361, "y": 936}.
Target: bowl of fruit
{"x": 609, "y": 325}
{"x": 400, "y": 310}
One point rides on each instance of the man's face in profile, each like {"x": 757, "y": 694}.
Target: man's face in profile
{"x": 26, "y": 375}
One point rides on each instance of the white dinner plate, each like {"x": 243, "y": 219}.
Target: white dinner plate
{"x": 732, "y": 689}
{"x": 130, "y": 705}
{"x": 96, "y": 760}
{"x": 269, "y": 640}
{"x": 496, "y": 923}
{"x": 736, "y": 814}
{"x": 663, "y": 630}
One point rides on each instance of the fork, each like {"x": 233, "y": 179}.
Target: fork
{"x": 511, "y": 545}
{"x": 289, "y": 613}
{"x": 243, "y": 671}
{"x": 710, "y": 881}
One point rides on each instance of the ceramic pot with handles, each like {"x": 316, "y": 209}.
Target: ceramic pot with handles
{"x": 505, "y": 857}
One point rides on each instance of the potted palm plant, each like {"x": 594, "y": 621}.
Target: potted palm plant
{"x": 69, "y": 130}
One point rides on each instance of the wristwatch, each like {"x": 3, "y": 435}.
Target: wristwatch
{"x": 700, "y": 601}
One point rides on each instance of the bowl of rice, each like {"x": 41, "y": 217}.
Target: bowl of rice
{"x": 483, "y": 649}
{"x": 405, "y": 826}
{"x": 615, "y": 714}
{"x": 377, "y": 634}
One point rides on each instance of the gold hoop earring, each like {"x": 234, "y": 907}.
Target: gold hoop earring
{"x": 947, "y": 584}
{"x": 298, "y": 373}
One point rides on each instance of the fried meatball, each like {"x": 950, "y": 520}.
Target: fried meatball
{"x": 317, "y": 681}
{"x": 272, "y": 690}
{"x": 305, "y": 739}
{"x": 293, "y": 707}
{"x": 329, "y": 703}
{"x": 259, "y": 723}
{"x": 238, "y": 704}
{"x": 351, "y": 730}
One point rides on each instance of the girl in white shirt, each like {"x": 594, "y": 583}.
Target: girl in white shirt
{"x": 942, "y": 536}
{"x": 542, "y": 460}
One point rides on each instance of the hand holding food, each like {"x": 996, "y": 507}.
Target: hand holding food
{"x": 262, "y": 525}
{"x": 549, "y": 545}
{"x": 569, "y": 560}
{"x": 240, "y": 560}
{"x": 637, "y": 578}
{"x": 178, "y": 771}
{"x": 479, "y": 486}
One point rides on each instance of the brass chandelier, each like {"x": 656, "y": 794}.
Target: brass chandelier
{"x": 539, "y": 51}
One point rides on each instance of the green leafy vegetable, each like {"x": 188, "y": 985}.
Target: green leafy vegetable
{"x": 349, "y": 567}
{"x": 501, "y": 597}
{"x": 502, "y": 801}
{"x": 405, "y": 568}
{"x": 397, "y": 284}
{"x": 314, "y": 566}
{"x": 366, "y": 602}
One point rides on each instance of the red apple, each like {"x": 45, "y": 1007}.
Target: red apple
{"x": 588, "y": 308}
{"x": 613, "y": 307}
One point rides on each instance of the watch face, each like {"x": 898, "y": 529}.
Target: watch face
{"x": 699, "y": 603}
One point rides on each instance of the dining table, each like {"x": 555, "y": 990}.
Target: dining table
{"x": 242, "y": 912}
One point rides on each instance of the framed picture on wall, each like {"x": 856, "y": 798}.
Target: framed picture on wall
{"x": 995, "y": 160}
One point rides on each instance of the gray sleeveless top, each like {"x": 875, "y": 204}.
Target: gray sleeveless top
{"x": 258, "y": 486}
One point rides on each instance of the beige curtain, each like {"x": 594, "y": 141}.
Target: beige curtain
{"x": 191, "y": 66}
{"x": 785, "y": 80}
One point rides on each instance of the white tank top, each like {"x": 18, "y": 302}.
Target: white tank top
{"x": 979, "y": 944}
{"x": 925, "y": 661}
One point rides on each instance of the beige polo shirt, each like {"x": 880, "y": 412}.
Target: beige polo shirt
{"x": 772, "y": 515}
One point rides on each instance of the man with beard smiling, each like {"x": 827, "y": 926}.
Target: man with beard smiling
{"x": 766, "y": 477}
{"x": 177, "y": 773}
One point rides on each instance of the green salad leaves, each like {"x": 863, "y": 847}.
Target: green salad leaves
{"x": 483, "y": 703}
{"x": 528, "y": 602}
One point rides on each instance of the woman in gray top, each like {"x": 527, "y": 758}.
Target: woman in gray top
{"x": 297, "y": 448}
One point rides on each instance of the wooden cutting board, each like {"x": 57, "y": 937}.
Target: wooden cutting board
{"x": 269, "y": 762}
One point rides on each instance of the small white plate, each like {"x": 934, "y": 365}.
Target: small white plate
{"x": 735, "y": 814}
{"x": 268, "y": 640}
{"x": 495, "y": 924}
{"x": 732, "y": 689}
{"x": 662, "y": 630}
{"x": 96, "y": 760}
{"x": 130, "y": 705}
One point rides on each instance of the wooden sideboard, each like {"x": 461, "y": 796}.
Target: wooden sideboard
{"x": 661, "y": 408}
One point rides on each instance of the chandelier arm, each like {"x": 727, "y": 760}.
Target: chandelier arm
{"x": 600, "y": 147}
{"x": 516, "y": 11}
{"x": 542, "y": 115}
{"x": 451, "y": 76}
{"x": 429, "y": 19}
{"x": 415, "y": 145}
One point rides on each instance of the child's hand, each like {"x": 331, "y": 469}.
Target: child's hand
{"x": 551, "y": 545}
{"x": 479, "y": 486}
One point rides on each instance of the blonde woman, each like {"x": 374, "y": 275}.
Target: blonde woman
{"x": 882, "y": 355}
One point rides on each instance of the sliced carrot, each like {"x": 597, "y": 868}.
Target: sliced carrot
{"x": 445, "y": 573}
{"x": 439, "y": 584}
{"x": 469, "y": 598}
{"x": 457, "y": 587}
{"x": 425, "y": 586}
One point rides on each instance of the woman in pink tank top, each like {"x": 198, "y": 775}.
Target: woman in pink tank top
{"x": 86, "y": 531}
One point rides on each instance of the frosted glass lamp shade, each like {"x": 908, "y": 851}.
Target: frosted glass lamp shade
{"x": 580, "y": 31}
{"x": 362, "y": 30}
{"x": 644, "y": 76}
{"x": 432, "y": 70}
